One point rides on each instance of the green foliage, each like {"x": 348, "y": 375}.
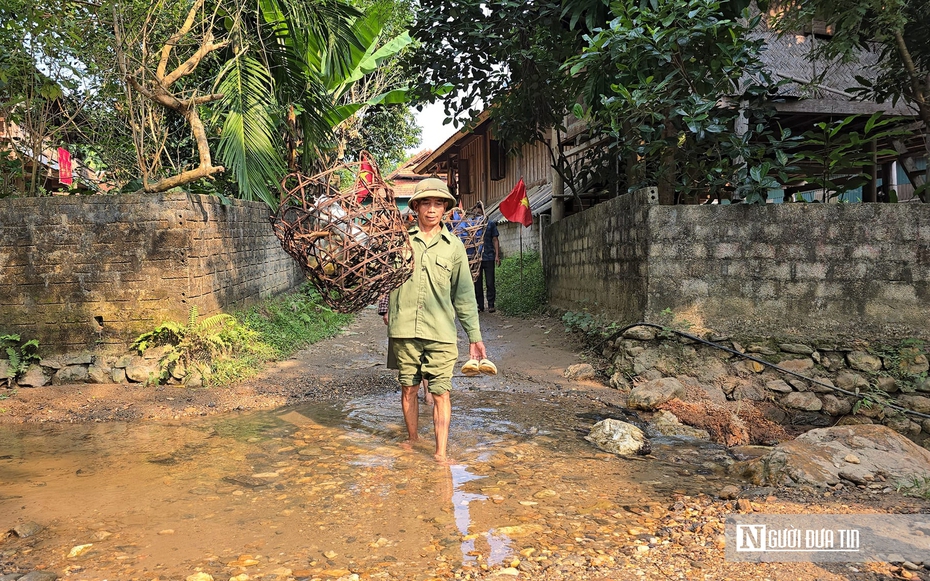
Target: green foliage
{"x": 594, "y": 327}
{"x": 838, "y": 157}
{"x": 521, "y": 285}
{"x": 226, "y": 348}
{"x": 19, "y": 355}
{"x": 674, "y": 81}
{"x": 917, "y": 486}
{"x": 291, "y": 322}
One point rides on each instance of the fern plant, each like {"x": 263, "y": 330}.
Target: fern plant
{"x": 192, "y": 346}
{"x": 19, "y": 357}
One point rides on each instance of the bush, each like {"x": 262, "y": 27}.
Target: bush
{"x": 521, "y": 294}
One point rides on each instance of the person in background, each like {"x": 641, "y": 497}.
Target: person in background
{"x": 490, "y": 258}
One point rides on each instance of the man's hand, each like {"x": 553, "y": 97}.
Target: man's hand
{"x": 385, "y": 318}
{"x": 498, "y": 260}
{"x": 476, "y": 351}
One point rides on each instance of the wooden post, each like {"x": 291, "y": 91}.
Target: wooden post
{"x": 870, "y": 190}
{"x": 558, "y": 186}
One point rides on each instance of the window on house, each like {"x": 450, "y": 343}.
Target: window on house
{"x": 498, "y": 154}
{"x": 464, "y": 178}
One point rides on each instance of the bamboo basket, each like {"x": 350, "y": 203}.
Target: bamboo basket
{"x": 351, "y": 243}
{"x": 469, "y": 226}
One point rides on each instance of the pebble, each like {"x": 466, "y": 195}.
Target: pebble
{"x": 79, "y": 550}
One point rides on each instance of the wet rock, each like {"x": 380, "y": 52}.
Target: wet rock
{"x": 816, "y": 457}
{"x": 850, "y": 381}
{"x": 743, "y": 453}
{"x": 835, "y": 406}
{"x": 665, "y": 423}
{"x": 779, "y": 386}
{"x": 26, "y": 529}
{"x": 801, "y": 366}
{"x": 918, "y": 403}
{"x": 655, "y": 392}
{"x": 245, "y": 480}
{"x": 79, "y": 550}
{"x": 70, "y": 374}
{"x": 796, "y": 348}
{"x": 34, "y": 377}
{"x": 142, "y": 370}
{"x": 39, "y": 576}
{"x": 805, "y": 401}
{"x": 640, "y": 333}
{"x": 617, "y": 437}
{"x": 864, "y": 361}
{"x": 580, "y": 372}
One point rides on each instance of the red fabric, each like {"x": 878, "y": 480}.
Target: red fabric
{"x": 516, "y": 206}
{"x": 366, "y": 175}
{"x": 64, "y": 166}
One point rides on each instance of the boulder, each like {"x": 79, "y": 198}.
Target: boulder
{"x": 618, "y": 437}
{"x": 34, "y": 377}
{"x": 580, "y": 372}
{"x": 864, "y": 361}
{"x": 806, "y": 401}
{"x": 886, "y": 384}
{"x": 818, "y": 457}
{"x": 640, "y": 333}
{"x": 918, "y": 403}
{"x": 779, "y": 386}
{"x": 912, "y": 361}
{"x": 665, "y": 423}
{"x": 801, "y": 366}
{"x": 620, "y": 382}
{"x": 796, "y": 348}
{"x": 653, "y": 393}
{"x": 142, "y": 370}
{"x": 70, "y": 374}
{"x": 850, "y": 381}
{"x": 835, "y": 406}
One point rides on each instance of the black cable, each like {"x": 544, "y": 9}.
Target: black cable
{"x": 762, "y": 361}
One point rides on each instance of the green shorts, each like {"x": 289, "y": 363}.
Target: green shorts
{"x": 419, "y": 359}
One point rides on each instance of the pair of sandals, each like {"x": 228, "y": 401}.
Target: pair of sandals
{"x": 474, "y": 367}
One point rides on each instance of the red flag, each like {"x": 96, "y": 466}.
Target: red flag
{"x": 366, "y": 175}
{"x": 64, "y": 166}
{"x": 516, "y": 206}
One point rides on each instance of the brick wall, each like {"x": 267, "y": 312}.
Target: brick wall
{"x": 96, "y": 271}
{"x": 805, "y": 270}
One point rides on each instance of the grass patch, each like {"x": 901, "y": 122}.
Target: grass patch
{"x": 521, "y": 293}
{"x": 917, "y": 486}
{"x": 224, "y": 348}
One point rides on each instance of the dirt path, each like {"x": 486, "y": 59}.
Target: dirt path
{"x": 647, "y": 531}
{"x": 532, "y": 353}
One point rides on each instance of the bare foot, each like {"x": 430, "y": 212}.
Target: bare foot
{"x": 443, "y": 460}
{"x": 408, "y": 444}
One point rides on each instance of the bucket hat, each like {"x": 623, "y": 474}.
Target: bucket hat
{"x": 432, "y": 188}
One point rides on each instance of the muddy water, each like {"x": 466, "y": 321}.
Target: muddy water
{"x": 323, "y": 491}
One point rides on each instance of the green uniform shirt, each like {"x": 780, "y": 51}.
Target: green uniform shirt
{"x": 441, "y": 287}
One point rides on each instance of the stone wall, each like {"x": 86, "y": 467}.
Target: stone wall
{"x": 80, "y": 272}
{"x": 598, "y": 259}
{"x": 509, "y": 238}
{"x": 787, "y": 270}
{"x": 817, "y": 388}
